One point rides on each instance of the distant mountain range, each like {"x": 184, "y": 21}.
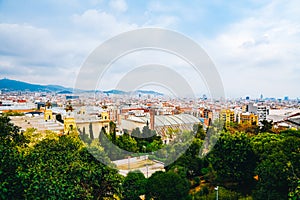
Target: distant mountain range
{"x": 14, "y": 85}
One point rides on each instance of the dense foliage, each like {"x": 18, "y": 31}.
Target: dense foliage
{"x": 247, "y": 162}
{"x": 48, "y": 166}
{"x": 134, "y": 185}
{"x": 118, "y": 147}
{"x": 167, "y": 186}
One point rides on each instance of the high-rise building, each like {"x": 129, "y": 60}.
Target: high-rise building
{"x": 262, "y": 113}
{"x": 260, "y": 110}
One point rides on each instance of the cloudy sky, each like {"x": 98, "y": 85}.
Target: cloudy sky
{"x": 254, "y": 44}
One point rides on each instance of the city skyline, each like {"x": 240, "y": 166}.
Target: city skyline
{"x": 18, "y": 86}
{"x": 253, "y": 44}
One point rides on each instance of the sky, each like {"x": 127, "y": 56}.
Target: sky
{"x": 254, "y": 44}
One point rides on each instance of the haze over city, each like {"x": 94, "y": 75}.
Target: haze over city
{"x": 253, "y": 44}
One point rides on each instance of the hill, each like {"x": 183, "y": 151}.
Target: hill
{"x": 14, "y": 85}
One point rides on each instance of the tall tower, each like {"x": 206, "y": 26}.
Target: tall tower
{"x": 104, "y": 120}
{"x": 152, "y": 118}
{"x": 69, "y": 121}
{"x": 48, "y": 115}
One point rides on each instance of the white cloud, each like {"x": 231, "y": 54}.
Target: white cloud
{"x": 33, "y": 54}
{"x": 41, "y": 55}
{"x": 260, "y": 53}
{"x": 101, "y": 24}
{"x": 142, "y": 57}
{"x": 165, "y": 21}
{"x": 18, "y": 38}
{"x": 255, "y": 54}
{"x": 118, "y": 5}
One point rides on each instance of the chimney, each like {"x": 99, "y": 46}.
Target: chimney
{"x": 152, "y": 118}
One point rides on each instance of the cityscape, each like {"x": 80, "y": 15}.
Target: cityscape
{"x": 130, "y": 111}
{"x": 149, "y": 100}
{"x": 90, "y": 115}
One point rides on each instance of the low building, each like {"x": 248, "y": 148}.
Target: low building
{"x": 161, "y": 123}
{"x": 228, "y": 116}
{"x": 248, "y": 118}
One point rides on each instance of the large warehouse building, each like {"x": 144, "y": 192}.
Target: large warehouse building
{"x": 160, "y": 123}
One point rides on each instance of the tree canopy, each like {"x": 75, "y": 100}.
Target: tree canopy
{"x": 48, "y": 166}
{"x": 245, "y": 162}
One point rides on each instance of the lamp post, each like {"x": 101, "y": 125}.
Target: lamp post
{"x": 217, "y": 192}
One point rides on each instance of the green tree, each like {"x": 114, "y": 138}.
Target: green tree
{"x": 224, "y": 194}
{"x": 84, "y": 137}
{"x": 136, "y": 132}
{"x": 278, "y": 166}
{"x": 112, "y": 150}
{"x": 134, "y": 185}
{"x": 199, "y": 132}
{"x": 147, "y": 138}
{"x": 180, "y": 170}
{"x": 295, "y": 194}
{"x": 62, "y": 168}
{"x": 37, "y": 165}
{"x": 266, "y": 126}
{"x": 99, "y": 153}
{"x": 11, "y": 159}
{"x": 167, "y": 186}
{"x": 128, "y": 143}
{"x": 91, "y": 131}
{"x": 112, "y": 131}
{"x": 234, "y": 161}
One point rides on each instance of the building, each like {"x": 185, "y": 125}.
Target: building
{"x": 260, "y": 110}
{"x": 69, "y": 120}
{"x": 251, "y": 108}
{"x": 227, "y": 116}
{"x": 285, "y": 118}
{"x": 208, "y": 116}
{"x": 215, "y": 115}
{"x": 92, "y": 123}
{"x": 48, "y": 115}
{"x": 248, "y": 118}
{"x": 162, "y": 123}
{"x": 262, "y": 113}
{"x": 69, "y": 124}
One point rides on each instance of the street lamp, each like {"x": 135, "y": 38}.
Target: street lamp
{"x": 217, "y": 194}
